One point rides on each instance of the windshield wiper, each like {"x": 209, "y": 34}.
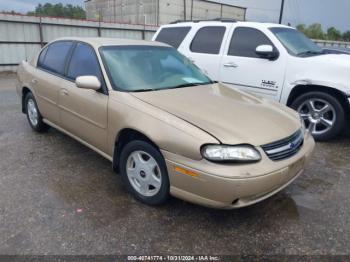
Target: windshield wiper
{"x": 311, "y": 53}
{"x": 190, "y": 84}
{"x": 143, "y": 90}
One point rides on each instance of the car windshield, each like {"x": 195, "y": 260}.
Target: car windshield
{"x": 149, "y": 68}
{"x": 296, "y": 42}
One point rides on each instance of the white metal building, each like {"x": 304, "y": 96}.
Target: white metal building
{"x": 158, "y": 12}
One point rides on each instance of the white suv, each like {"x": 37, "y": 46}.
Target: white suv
{"x": 273, "y": 61}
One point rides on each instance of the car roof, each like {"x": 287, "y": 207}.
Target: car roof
{"x": 101, "y": 41}
{"x": 239, "y": 23}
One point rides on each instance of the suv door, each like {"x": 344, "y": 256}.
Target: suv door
{"x": 47, "y": 78}
{"x": 242, "y": 68}
{"x": 83, "y": 112}
{"x": 206, "y": 48}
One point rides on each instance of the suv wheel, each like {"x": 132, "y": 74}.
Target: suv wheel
{"x": 33, "y": 115}
{"x": 323, "y": 114}
{"x": 144, "y": 172}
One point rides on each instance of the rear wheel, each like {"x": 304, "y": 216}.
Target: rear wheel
{"x": 33, "y": 115}
{"x": 144, "y": 172}
{"x": 323, "y": 114}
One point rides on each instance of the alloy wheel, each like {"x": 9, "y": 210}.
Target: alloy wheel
{"x": 318, "y": 114}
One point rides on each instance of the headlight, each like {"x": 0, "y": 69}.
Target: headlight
{"x": 226, "y": 153}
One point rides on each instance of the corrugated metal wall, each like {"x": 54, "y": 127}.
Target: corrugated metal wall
{"x": 22, "y": 36}
{"x": 159, "y": 12}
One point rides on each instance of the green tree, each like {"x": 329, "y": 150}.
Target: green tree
{"x": 315, "y": 31}
{"x": 59, "y": 10}
{"x": 334, "y": 34}
{"x": 346, "y": 36}
{"x": 301, "y": 28}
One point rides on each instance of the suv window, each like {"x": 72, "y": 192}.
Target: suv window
{"x": 54, "y": 58}
{"x": 208, "y": 40}
{"x": 173, "y": 35}
{"x": 245, "y": 40}
{"x": 84, "y": 63}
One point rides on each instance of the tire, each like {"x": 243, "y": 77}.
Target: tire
{"x": 147, "y": 183}
{"x": 33, "y": 115}
{"x": 323, "y": 122}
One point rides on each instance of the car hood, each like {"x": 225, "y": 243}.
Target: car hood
{"x": 340, "y": 60}
{"x": 231, "y": 116}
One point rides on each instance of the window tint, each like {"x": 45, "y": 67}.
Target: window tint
{"x": 173, "y": 36}
{"x": 245, "y": 41}
{"x": 42, "y": 56}
{"x": 84, "y": 62}
{"x": 208, "y": 40}
{"x": 55, "y": 57}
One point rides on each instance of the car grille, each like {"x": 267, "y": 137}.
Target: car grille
{"x": 285, "y": 148}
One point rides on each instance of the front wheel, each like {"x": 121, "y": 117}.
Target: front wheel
{"x": 144, "y": 172}
{"x": 323, "y": 114}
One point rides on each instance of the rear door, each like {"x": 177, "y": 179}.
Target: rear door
{"x": 84, "y": 112}
{"x": 47, "y": 78}
{"x": 206, "y": 47}
{"x": 242, "y": 68}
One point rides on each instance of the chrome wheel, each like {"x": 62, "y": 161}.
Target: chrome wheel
{"x": 318, "y": 114}
{"x": 32, "y": 112}
{"x": 144, "y": 173}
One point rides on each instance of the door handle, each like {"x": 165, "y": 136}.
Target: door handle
{"x": 65, "y": 92}
{"x": 231, "y": 64}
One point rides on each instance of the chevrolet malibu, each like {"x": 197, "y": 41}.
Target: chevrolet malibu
{"x": 166, "y": 127}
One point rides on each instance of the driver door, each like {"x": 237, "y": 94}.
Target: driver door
{"x": 83, "y": 112}
{"x": 242, "y": 68}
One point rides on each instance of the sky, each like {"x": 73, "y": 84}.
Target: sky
{"x": 327, "y": 12}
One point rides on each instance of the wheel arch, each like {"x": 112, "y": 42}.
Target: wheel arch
{"x": 125, "y": 136}
{"x": 303, "y": 89}
{"x": 25, "y": 91}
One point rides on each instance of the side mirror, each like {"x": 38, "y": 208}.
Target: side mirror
{"x": 88, "y": 82}
{"x": 266, "y": 52}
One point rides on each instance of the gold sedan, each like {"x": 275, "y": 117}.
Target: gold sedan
{"x": 167, "y": 128}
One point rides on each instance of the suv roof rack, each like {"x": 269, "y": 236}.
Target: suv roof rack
{"x": 223, "y": 20}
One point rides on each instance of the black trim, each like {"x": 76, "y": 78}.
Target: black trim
{"x": 14, "y": 64}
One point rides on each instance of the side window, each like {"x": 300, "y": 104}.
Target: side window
{"x": 42, "y": 57}
{"x": 55, "y": 57}
{"x": 208, "y": 40}
{"x": 84, "y": 62}
{"x": 245, "y": 40}
{"x": 173, "y": 35}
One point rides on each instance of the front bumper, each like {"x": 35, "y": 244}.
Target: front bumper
{"x": 233, "y": 186}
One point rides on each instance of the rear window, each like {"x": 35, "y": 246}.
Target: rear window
{"x": 55, "y": 58}
{"x": 173, "y": 35}
{"x": 208, "y": 40}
